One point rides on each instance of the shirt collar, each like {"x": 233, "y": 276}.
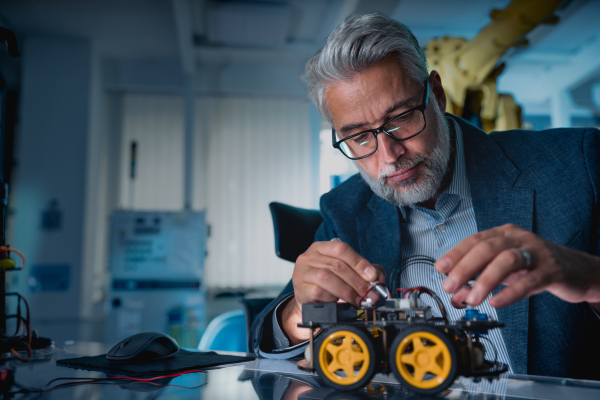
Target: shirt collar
{"x": 459, "y": 184}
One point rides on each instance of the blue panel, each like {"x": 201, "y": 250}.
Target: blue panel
{"x": 49, "y": 278}
{"x": 149, "y": 284}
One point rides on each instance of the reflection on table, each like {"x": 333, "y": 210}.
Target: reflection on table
{"x": 269, "y": 379}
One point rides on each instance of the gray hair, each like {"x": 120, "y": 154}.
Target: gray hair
{"x": 358, "y": 43}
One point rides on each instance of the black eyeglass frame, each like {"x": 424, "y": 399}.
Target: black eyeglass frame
{"x": 421, "y": 107}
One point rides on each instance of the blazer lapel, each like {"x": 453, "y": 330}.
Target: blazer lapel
{"x": 497, "y": 200}
{"x": 379, "y": 239}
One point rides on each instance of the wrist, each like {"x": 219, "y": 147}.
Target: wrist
{"x": 291, "y": 316}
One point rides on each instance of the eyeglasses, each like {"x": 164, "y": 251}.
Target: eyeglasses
{"x": 402, "y": 127}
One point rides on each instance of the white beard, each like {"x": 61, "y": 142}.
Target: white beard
{"x": 431, "y": 176}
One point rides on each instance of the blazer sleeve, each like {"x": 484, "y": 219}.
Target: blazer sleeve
{"x": 261, "y": 339}
{"x": 591, "y": 151}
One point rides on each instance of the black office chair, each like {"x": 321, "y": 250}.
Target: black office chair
{"x": 294, "y": 232}
{"x": 253, "y": 307}
{"x": 294, "y": 229}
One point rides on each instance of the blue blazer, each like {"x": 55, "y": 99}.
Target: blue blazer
{"x": 547, "y": 182}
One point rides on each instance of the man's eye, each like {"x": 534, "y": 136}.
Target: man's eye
{"x": 404, "y": 117}
{"x": 362, "y": 139}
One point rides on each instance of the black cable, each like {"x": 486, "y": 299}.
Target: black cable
{"x": 19, "y": 309}
{"x": 16, "y": 340}
{"x": 69, "y": 379}
{"x": 493, "y": 346}
{"x": 90, "y": 381}
{"x": 439, "y": 303}
{"x": 395, "y": 280}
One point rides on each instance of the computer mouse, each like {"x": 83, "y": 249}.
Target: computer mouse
{"x": 143, "y": 347}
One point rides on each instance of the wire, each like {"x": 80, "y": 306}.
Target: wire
{"x": 371, "y": 287}
{"x": 422, "y": 289}
{"x": 493, "y": 347}
{"x": 15, "y": 340}
{"x": 10, "y": 249}
{"x": 29, "y": 353}
{"x": 132, "y": 378}
{"x": 416, "y": 292}
{"x": 405, "y": 263}
{"x": 98, "y": 382}
{"x": 108, "y": 380}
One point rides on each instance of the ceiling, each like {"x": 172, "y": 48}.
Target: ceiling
{"x": 218, "y": 32}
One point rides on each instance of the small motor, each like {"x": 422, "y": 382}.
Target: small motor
{"x": 473, "y": 313}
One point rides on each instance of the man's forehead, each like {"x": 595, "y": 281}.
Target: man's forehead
{"x": 369, "y": 96}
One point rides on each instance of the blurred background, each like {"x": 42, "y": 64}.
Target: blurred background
{"x": 142, "y": 140}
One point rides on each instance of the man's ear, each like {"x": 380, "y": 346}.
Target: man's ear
{"x": 438, "y": 89}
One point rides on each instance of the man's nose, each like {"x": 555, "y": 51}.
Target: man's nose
{"x": 389, "y": 149}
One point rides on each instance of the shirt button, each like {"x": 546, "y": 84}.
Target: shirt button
{"x": 442, "y": 227}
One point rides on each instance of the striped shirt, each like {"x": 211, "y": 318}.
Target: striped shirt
{"x": 433, "y": 233}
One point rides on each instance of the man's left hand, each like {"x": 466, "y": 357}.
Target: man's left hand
{"x": 571, "y": 275}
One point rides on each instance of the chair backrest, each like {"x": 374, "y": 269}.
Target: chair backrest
{"x": 226, "y": 332}
{"x": 253, "y": 307}
{"x": 294, "y": 229}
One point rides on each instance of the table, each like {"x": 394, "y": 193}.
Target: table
{"x": 274, "y": 379}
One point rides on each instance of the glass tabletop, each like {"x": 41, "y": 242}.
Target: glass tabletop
{"x": 267, "y": 379}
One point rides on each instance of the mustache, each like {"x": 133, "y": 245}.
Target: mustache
{"x": 400, "y": 164}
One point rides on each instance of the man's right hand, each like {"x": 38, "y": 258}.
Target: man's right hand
{"x": 325, "y": 273}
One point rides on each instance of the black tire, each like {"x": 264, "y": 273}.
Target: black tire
{"x": 446, "y": 362}
{"x": 328, "y": 372}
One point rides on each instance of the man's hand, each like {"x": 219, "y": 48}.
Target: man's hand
{"x": 571, "y": 275}
{"x": 327, "y": 272}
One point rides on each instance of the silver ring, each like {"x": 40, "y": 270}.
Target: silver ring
{"x": 527, "y": 256}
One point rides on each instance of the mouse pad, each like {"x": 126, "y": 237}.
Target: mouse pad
{"x": 182, "y": 361}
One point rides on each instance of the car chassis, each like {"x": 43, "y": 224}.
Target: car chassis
{"x": 425, "y": 354}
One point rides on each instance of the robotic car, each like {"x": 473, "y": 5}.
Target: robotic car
{"x": 425, "y": 354}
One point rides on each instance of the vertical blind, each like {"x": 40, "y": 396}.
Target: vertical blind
{"x": 256, "y": 150}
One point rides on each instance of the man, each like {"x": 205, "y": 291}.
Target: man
{"x": 516, "y": 208}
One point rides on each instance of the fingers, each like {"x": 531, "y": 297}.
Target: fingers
{"x": 530, "y": 283}
{"x": 494, "y": 255}
{"x": 380, "y": 273}
{"x": 325, "y": 286}
{"x": 481, "y": 253}
{"x": 445, "y": 264}
{"x": 460, "y": 297}
{"x": 343, "y": 252}
{"x": 498, "y": 270}
{"x": 451, "y": 258}
{"x": 329, "y": 271}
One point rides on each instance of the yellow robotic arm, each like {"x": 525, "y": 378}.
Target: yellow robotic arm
{"x": 468, "y": 68}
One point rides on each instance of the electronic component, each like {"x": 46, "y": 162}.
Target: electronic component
{"x": 402, "y": 337}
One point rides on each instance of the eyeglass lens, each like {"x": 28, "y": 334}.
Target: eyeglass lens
{"x": 402, "y": 127}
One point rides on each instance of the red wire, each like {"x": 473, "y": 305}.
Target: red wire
{"x": 371, "y": 287}
{"x": 155, "y": 377}
{"x": 101, "y": 381}
{"x": 149, "y": 380}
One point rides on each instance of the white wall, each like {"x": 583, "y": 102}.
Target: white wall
{"x": 258, "y": 150}
{"x": 51, "y": 164}
{"x": 253, "y": 128}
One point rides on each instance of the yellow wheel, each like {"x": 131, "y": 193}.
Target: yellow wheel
{"x": 345, "y": 358}
{"x": 424, "y": 359}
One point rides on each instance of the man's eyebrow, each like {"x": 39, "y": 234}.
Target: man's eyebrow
{"x": 404, "y": 103}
